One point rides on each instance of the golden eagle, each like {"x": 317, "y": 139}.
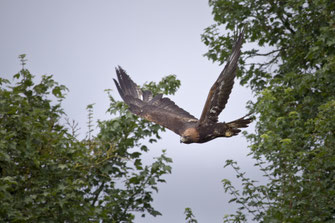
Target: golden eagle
{"x": 165, "y": 112}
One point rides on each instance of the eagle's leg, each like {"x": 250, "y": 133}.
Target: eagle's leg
{"x": 233, "y": 127}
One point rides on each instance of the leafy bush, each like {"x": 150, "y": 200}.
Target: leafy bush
{"x": 48, "y": 175}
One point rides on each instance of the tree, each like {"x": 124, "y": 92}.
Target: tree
{"x": 48, "y": 175}
{"x": 291, "y": 72}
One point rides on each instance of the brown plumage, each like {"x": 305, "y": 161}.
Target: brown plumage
{"x": 165, "y": 112}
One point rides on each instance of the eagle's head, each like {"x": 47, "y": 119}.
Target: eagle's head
{"x": 190, "y": 135}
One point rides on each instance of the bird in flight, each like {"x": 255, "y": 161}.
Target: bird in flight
{"x": 163, "y": 111}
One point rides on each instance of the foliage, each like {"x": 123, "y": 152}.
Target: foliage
{"x": 167, "y": 85}
{"x": 291, "y": 71}
{"x": 48, "y": 175}
{"x": 189, "y": 216}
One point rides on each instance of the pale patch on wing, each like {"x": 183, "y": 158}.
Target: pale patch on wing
{"x": 147, "y": 117}
{"x": 192, "y": 120}
{"x": 139, "y": 93}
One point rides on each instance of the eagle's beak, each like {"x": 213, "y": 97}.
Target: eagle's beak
{"x": 182, "y": 139}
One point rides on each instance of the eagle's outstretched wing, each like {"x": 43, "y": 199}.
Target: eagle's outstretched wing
{"x": 220, "y": 91}
{"x": 157, "y": 109}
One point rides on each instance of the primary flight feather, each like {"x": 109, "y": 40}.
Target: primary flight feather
{"x": 165, "y": 112}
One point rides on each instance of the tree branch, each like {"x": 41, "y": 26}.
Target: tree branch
{"x": 97, "y": 193}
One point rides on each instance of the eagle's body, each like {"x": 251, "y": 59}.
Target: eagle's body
{"x": 165, "y": 112}
{"x": 203, "y": 133}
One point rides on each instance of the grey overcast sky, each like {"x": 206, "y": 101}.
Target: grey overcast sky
{"x": 81, "y": 41}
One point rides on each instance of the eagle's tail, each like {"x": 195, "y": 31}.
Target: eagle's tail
{"x": 234, "y": 126}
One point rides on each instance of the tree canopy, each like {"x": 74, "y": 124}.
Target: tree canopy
{"x": 48, "y": 175}
{"x": 291, "y": 70}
